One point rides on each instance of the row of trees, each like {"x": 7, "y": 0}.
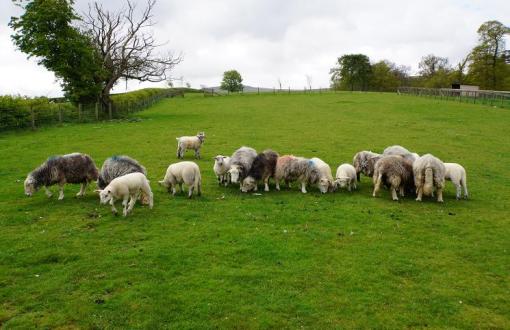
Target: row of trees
{"x": 92, "y": 52}
{"x": 487, "y": 66}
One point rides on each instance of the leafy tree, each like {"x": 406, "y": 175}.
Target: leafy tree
{"x": 232, "y": 81}
{"x": 487, "y": 67}
{"x": 387, "y": 76}
{"x": 431, "y": 64}
{"x": 352, "y": 72}
{"x": 46, "y": 31}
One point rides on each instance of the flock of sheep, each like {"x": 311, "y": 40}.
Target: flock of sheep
{"x": 123, "y": 178}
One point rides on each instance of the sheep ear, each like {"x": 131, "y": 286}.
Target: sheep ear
{"x": 98, "y": 191}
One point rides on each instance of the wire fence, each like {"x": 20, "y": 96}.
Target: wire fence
{"x": 259, "y": 90}
{"x": 34, "y": 113}
{"x": 491, "y": 98}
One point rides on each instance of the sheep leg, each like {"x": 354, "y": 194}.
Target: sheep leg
{"x": 303, "y": 187}
{"x": 401, "y": 191}
{"x": 419, "y": 193}
{"x": 377, "y": 186}
{"x": 277, "y": 185}
{"x": 440, "y": 195}
{"x": 349, "y": 186}
{"x": 112, "y": 203}
{"x": 266, "y": 184}
{"x": 358, "y": 176}
{"x": 180, "y": 188}
{"x": 394, "y": 194}
{"x": 48, "y": 192}
{"x": 355, "y": 185}
{"x": 465, "y": 190}
{"x": 132, "y": 202}
{"x": 459, "y": 191}
{"x": 173, "y": 189}
{"x": 197, "y": 153}
{"x": 190, "y": 191}
{"x": 61, "y": 191}
{"x": 83, "y": 186}
{"x": 288, "y": 184}
{"x": 124, "y": 205}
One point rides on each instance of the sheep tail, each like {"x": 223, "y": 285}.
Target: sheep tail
{"x": 429, "y": 181}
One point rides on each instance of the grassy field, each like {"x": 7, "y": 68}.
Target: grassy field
{"x": 282, "y": 259}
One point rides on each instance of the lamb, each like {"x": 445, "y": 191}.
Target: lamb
{"x": 262, "y": 169}
{"x": 71, "y": 168}
{"x": 190, "y": 142}
{"x": 457, "y": 175}
{"x": 126, "y": 187}
{"x": 394, "y": 171}
{"x": 220, "y": 168}
{"x": 325, "y": 182}
{"x": 346, "y": 177}
{"x": 291, "y": 168}
{"x": 400, "y": 151}
{"x": 429, "y": 173}
{"x": 240, "y": 163}
{"x": 183, "y": 172}
{"x": 360, "y": 158}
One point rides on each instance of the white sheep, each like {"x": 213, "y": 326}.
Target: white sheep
{"x": 183, "y": 172}
{"x": 325, "y": 183}
{"x": 346, "y": 177}
{"x": 457, "y": 175}
{"x": 190, "y": 142}
{"x": 221, "y": 168}
{"x": 126, "y": 187}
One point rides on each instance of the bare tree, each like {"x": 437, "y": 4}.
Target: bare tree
{"x": 126, "y": 45}
{"x": 309, "y": 81}
{"x": 280, "y": 83}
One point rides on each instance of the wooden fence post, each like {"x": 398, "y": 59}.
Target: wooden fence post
{"x": 258, "y": 90}
{"x": 32, "y": 116}
{"x": 110, "y": 110}
{"x": 289, "y": 89}
{"x": 97, "y": 111}
{"x": 60, "y": 113}
{"x": 79, "y": 112}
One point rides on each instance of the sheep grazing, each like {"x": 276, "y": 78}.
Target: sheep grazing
{"x": 183, "y": 172}
{"x": 346, "y": 177}
{"x": 400, "y": 151}
{"x": 290, "y": 168}
{"x": 429, "y": 173}
{"x": 368, "y": 165}
{"x": 126, "y": 187}
{"x": 396, "y": 172}
{"x": 220, "y": 168}
{"x": 457, "y": 175}
{"x": 190, "y": 142}
{"x": 325, "y": 182}
{"x": 262, "y": 169}
{"x": 360, "y": 158}
{"x": 71, "y": 168}
{"x": 240, "y": 163}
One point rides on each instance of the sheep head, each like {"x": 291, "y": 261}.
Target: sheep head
{"x": 30, "y": 187}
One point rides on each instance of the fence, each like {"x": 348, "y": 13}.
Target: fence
{"x": 258, "y": 90}
{"x": 33, "y": 113}
{"x": 491, "y": 98}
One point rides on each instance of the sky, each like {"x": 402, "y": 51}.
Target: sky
{"x": 286, "y": 40}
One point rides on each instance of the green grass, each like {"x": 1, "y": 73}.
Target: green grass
{"x": 280, "y": 260}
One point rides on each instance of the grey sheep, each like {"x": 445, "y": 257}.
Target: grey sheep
{"x": 359, "y": 159}
{"x": 395, "y": 172}
{"x": 240, "y": 163}
{"x": 290, "y": 168}
{"x": 400, "y": 151}
{"x": 71, "y": 168}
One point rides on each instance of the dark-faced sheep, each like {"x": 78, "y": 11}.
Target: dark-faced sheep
{"x": 71, "y": 168}
{"x": 359, "y": 159}
{"x": 395, "y": 172}
{"x": 429, "y": 173}
{"x": 400, "y": 151}
{"x": 240, "y": 163}
{"x": 290, "y": 168}
{"x": 262, "y": 169}
{"x": 190, "y": 142}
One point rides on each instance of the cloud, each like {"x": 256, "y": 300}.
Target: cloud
{"x": 266, "y": 40}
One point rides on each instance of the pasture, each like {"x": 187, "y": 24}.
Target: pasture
{"x": 279, "y": 259}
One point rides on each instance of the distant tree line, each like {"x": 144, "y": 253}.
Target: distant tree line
{"x": 487, "y": 66}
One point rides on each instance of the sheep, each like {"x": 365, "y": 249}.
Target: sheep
{"x": 220, "y": 168}
{"x": 190, "y": 142}
{"x": 368, "y": 165}
{"x": 291, "y": 168}
{"x": 240, "y": 163}
{"x": 346, "y": 177}
{"x": 393, "y": 171}
{"x": 70, "y": 168}
{"x": 360, "y": 158}
{"x": 126, "y": 187}
{"x": 429, "y": 173}
{"x": 262, "y": 169}
{"x": 400, "y": 151}
{"x": 457, "y": 175}
{"x": 325, "y": 182}
{"x": 183, "y": 172}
